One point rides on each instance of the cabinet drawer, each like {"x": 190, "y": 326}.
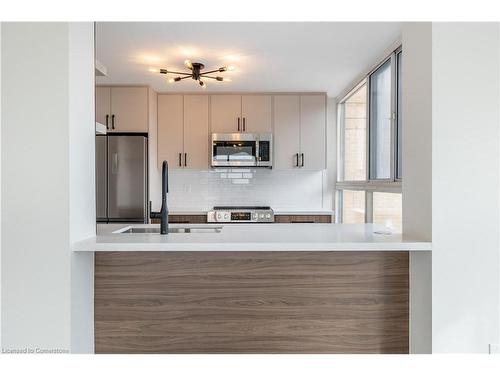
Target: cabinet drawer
{"x": 302, "y": 218}
{"x": 183, "y": 219}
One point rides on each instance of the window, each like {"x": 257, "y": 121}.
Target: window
{"x": 353, "y": 206}
{"x": 380, "y": 122}
{"x": 387, "y": 210}
{"x": 370, "y": 148}
{"x": 354, "y": 136}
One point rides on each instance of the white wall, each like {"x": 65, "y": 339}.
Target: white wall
{"x": 0, "y": 185}
{"x": 154, "y": 174}
{"x": 47, "y": 101}
{"x": 35, "y": 186}
{"x": 82, "y": 181}
{"x": 417, "y": 174}
{"x": 465, "y": 175}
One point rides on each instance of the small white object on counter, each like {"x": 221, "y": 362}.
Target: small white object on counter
{"x": 254, "y": 237}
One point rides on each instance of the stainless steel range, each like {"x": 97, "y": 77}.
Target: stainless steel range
{"x": 241, "y": 214}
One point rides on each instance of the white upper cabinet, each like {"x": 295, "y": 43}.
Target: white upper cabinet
{"x": 170, "y": 130}
{"x": 300, "y": 132}
{"x": 129, "y": 109}
{"x": 286, "y": 131}
{"x": 195, "y": 132}
{"x": 313, "y": 132}
{"x": 122, "y": 109}
{"x": 256, "y": 113}
{"x": 183, "y": 131}
{"x": 241, "y": 113}
{"x": 103, "y": 105}
{"x": 225, "y": 113}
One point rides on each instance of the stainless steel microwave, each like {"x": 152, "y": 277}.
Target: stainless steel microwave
{"x": 242, "y": 150}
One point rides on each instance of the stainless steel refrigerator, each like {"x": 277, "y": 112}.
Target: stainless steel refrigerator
{"x": 122, "y": 178}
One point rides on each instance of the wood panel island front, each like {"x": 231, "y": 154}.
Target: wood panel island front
{"x": 153, "y": 295}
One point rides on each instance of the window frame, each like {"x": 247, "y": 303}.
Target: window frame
{"x": 398, "y": 125}
{"x": 370, "y": 185}
{"x": 370, "y": 122}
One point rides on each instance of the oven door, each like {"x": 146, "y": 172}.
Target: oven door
{"x": 234, "y": 150}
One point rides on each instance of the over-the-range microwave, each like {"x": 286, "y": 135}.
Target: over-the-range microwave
{"x": 242, "y": 150}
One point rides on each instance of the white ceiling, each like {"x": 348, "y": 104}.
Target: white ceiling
{"x": 273, "y": 56}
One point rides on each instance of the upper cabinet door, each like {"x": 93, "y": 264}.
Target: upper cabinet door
{"x": 103, "y": 105}
{"x": 195, "y": 132}
{"x": 170, "y": 130}
{"x": 225, "y": 113}
{"x": 313, "y": 132}
{"x": 286, "y": 131}
{"x": 129, "y": 109}
{"x": 256, "y": 113}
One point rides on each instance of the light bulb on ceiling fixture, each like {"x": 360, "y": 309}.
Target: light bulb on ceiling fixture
{"x": 230, "y": 68}
{"x": 227, "y": 79}
{"x": 154, "y": 70}
{"x": 188, "y": 64}
{"x": 171, "y": 80}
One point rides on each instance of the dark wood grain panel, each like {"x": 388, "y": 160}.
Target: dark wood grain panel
{"x": 302, "y": 218}
{"x": 183, "y": 219}
{"x": 251, "y": 302}
{"x": 201, "y": 219}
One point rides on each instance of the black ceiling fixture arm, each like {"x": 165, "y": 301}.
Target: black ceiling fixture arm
{"x": 212, "y": 77}
{"x": 196, "y": 73}
{"x": 165, "y": 71}
{"x": 223, "y": 69}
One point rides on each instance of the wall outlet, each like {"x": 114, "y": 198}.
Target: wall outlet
{"x": 493, "y": 349}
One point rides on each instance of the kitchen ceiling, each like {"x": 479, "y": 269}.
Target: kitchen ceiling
{"x": 273, "y": 56}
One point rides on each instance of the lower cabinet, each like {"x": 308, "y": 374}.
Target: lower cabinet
{"x": 287, "y": 219}
{"x": 183, "y": 219}
{"x": 201, "y": 219}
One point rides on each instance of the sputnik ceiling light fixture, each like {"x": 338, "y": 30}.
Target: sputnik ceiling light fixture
{"x": 196, "y": 73}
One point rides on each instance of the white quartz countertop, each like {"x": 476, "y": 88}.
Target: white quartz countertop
{"x": 254, "y": 237}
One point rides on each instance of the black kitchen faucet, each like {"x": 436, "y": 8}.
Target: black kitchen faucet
{"x": 163, "y": 214}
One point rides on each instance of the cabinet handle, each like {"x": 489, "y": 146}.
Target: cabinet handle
{"x": 185, "y": 159}
{"x": 297, "y": 159}
{"x": 238, "y": 124}
{"x": 107, "y": 121}
{"x": 113, "y": 122}
{"x": 244, "y": 124}
{"x": 180, "y": 159}
{"x": 302, "y": 156}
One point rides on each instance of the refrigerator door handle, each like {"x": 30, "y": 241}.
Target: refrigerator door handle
{"x": 115, "y": 163}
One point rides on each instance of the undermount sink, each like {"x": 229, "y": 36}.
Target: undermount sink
{"x": 172, "y": 230}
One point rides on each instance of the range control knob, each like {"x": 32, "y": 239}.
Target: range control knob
{"x": 226, "y": 216}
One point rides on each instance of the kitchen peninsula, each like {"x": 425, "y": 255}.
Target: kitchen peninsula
{"x": 264, "y": 288}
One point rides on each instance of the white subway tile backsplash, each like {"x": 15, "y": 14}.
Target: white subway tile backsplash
{"x": 201, "y": 190}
